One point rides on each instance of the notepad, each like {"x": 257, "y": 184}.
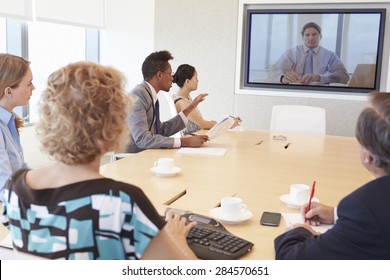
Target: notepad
{"x": 220, "y": 127}
{"x": 202, "y": 151}
{"x": 296, "y": 218}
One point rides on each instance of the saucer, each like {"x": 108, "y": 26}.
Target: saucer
{"x": 286, "y": 199}
{"x": 216, "y": 213}
{"x": 161, "y": 173}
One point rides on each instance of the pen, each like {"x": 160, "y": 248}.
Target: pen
{"x": 310, "y": 199}
{"x": 193, "y": 134}
{"x": 239, "y": 119}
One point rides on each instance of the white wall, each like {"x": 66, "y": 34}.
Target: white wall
{"x": 204, "y": 33}
{"x": 128, "y": 37}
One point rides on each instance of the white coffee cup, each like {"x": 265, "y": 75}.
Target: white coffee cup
{"x": 232, "y": 208}
{"x": 299, "y": 193}
{"x": 164, "y": 164}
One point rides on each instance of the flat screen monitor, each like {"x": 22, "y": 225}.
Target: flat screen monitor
{"x": 346, "y": 57}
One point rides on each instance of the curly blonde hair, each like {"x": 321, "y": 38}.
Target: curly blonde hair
{"x": 83, "y": 113}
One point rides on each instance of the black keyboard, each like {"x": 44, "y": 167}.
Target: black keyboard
{"x": 216, "y": 243}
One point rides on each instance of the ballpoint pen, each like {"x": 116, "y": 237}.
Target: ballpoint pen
{"x": 310, "y": 199}
{"x": 239, "y": 119}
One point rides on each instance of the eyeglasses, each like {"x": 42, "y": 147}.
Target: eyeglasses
{"x": 170, "y": 73}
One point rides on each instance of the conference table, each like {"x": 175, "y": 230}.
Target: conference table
{"x": 258, "y": 166}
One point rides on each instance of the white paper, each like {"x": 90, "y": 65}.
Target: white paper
{"x": 296, "y": 218}
{"x": 220, "y": 127}
{"x": 202, "y": 151}
{"x": 7, "y": 241}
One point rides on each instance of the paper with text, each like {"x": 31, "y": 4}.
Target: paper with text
{"x": 202, "y": 151}
{"x": 220, "y": 127}
{"x": 296, "y": 218}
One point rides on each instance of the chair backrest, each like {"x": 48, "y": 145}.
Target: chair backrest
{"x": 298, "y": 118}
{"x": 363, "y": 76}
{"x": 166, "y": 101}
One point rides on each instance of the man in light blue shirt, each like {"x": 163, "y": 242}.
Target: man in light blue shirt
{"x": 11, "y": 153}
{"x": 310, "y": 63}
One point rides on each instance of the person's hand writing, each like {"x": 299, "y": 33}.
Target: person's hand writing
{"x": 310, "y": 78}
{"x": 291, "y": 77}
{"x": 237, "y": 122}
{"x": 194, "y": 141}
{"x": 318, "y": 214}
{"x": 306, "y": 226}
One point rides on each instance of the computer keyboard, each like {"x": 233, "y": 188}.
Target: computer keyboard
{"x": 210, "y": 240}
{"x": 216, "y": 244}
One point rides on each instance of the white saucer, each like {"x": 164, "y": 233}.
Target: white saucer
{"x": 161, "y": 173}
{"x": 286, "y": 199}
{"x": 216, "y": 213}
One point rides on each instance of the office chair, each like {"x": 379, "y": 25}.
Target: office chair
{"x": 166, "y": 101}
{"x": 298, "y": 118}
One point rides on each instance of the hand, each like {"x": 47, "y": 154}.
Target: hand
{"x": 318, "y": 214}
{"x": 194, "y": 103}
{"x": 306, "y": 226}
{"x": 309, "y": 78}
{"x": 176, "y": 225}
{"x": 291, "y": 77}
{"x": 194, "y": 141}
{"x": 237, "y": 122}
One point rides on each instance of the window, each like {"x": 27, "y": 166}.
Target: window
{"x": 48, "y": 46}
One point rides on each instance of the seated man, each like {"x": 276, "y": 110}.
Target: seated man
{"x": 310, "y": 62}
{"x": 146, "y": 130}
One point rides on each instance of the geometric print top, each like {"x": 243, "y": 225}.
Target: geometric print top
{"x": 94, "y": 219}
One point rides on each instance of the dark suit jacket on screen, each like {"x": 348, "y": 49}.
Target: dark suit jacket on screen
{"x": 141, "y": 119}
{"x": 362, "y": 230}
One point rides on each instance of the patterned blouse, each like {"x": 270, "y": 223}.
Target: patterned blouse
{"x": 190, "y": 127}
{"x": 93, "y": 219}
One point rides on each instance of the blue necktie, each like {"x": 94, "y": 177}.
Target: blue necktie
{"x": 157, "y": 121}
{"x": 309, "y": 63}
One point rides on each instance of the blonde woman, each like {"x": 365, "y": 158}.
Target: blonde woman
{"x": 15, "y": 90}
{"x": 79, "y": 213}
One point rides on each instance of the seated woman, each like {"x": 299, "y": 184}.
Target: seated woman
{"x": 68, "y": 210}
{"x": 15, "y": 90}
{"x": 186, "y": 78}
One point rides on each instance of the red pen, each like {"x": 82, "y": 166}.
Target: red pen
{"x": 310, "y": 199}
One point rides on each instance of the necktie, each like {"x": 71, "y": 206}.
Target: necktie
{"x": 157, "y": 121}
{"x": 309, "y": 63}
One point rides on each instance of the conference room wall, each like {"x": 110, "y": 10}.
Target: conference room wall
{"x": 204, "y": 33}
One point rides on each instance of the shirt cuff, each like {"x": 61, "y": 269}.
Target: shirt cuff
{"x": 335, "y": 216}
{"x": 183, "y": 117}
{"x": 177, "y": 142}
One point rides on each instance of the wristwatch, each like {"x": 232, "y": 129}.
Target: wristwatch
{"x": 281, "y": 79}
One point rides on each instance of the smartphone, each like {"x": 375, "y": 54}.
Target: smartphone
{"x": 270, "y": 219}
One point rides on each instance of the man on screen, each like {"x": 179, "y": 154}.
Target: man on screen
{"x": 311, "y": 63}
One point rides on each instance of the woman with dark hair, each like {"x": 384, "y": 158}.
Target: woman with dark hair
{"x": 186, "y": 78}
{"x": 361, "y": 221}
{"x": 15, "y": 90}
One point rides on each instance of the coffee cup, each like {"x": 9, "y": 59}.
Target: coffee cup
{"x": 299, "y": 193}
{"x": 164, "y": 164}
{"x": 232, "y": 208}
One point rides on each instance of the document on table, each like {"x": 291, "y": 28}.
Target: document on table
{"x": 202, "y": 151}
{"x": 220, "y": 127}
{"x": 296, "y": 218}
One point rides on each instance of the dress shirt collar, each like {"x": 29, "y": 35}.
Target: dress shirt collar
{"x": 315, "y": 50}
{"x": 5, "y": 116}
{"x": 154, "y": 93}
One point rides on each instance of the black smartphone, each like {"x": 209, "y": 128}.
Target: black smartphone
{"x": 270, "y": 219}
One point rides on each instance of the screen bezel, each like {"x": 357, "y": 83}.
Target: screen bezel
{"x": 310, "y": 89}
